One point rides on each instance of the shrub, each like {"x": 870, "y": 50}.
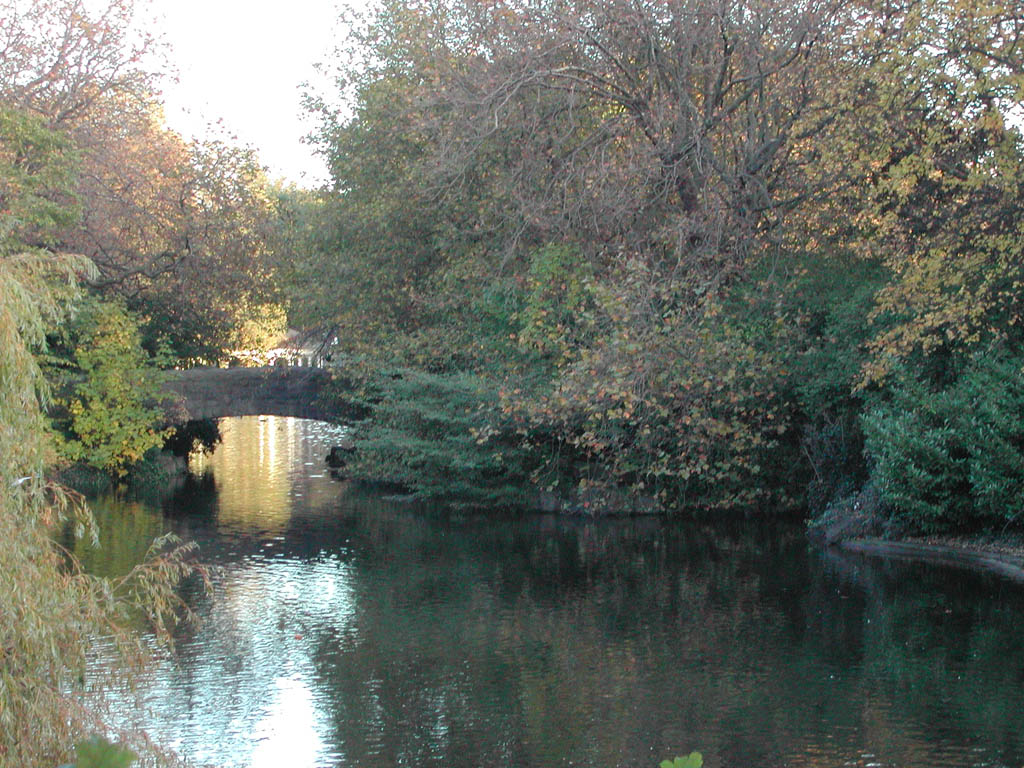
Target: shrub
{"x": 109, "y": 411}
{"x": 441, "y": 436}
{"x": 953, "y": 456}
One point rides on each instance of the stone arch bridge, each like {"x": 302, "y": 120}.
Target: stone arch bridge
{"x": 210, "y": 393}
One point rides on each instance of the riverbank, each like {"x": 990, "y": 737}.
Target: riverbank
{"x": 1002, "y": 556}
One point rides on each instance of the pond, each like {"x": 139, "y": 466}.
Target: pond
{"x": 345, "y": 629}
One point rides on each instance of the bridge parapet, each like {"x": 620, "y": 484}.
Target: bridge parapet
{"x": 211, "y": 393}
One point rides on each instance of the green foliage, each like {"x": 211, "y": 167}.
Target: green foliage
{"x": 693, "y": 760}
{"x": 827, "y": 302}
{"x": 37, "y": 174}
{"x": 954, "y": 456}
{"x": 823, "y": 308}
{"x": 99, "y": 752}
{"x": 919, "y": 458}
{"x": 382, "y": 236}
{"x": 34, "y": 287}
{"x": 50, "y": 612}
{"x": 442, "y": 437}
{"x": 554, "y": 314}
{"x": 109, "y": 418}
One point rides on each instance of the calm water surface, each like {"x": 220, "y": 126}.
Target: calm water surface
{"x": 346, "y": 630}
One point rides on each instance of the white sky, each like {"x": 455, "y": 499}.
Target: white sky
{"x": 242, "y": 62}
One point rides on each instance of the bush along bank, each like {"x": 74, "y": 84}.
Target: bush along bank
{"x": 647, "y": 283}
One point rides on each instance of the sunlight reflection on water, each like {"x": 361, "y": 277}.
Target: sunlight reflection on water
{"x": 346, "y": 630}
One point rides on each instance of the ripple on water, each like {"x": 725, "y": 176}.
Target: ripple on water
{"x": 344, "y": 630}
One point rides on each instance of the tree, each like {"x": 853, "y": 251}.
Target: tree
{"x": 50, "y": 612}
{"x": 37, "y": 172}
{"x": 952, "y": 457}
{"x": 179, "y": 230}
{"x": 665, "y": 131}
{"x": 58, "y": 58}
{"x": 657, "y": 147}
{"x": 947, "y": 196}
{"x": 182, "y": 232}
{"x": 645, "y": 222}
{"x": 932, "y": 160}
{"x": 110, "y": 413}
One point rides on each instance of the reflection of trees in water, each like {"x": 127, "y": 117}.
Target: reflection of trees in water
{"x": 465, "y": 640}
{"x": 127, "y": 528}
{"x": 539, "y": 626}
{"x": 547, "y": 640}
{"x": 943, "y": 645}
{"x": 196, "y": 494}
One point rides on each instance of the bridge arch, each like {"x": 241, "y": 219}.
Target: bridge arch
{"x": 212, "y": 393}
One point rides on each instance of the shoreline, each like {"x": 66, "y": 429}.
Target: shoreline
{"x": 1004, "y": 560}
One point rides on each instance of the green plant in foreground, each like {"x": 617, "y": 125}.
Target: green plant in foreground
{"x": 98, "y": 752}
{"x": 693, "y": 760}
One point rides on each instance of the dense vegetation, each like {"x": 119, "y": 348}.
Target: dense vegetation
{"x": 106, "y": 219}
{"x": 51, "y": 614}
{"x": 698, "y": 253}
{"x": 602, "y": 256}
{"x": 175, "y": 239}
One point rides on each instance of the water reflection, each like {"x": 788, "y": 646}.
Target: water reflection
{"x": 346, "y": 630}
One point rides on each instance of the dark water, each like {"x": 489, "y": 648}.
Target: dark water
{"x": 345, "y": 630}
